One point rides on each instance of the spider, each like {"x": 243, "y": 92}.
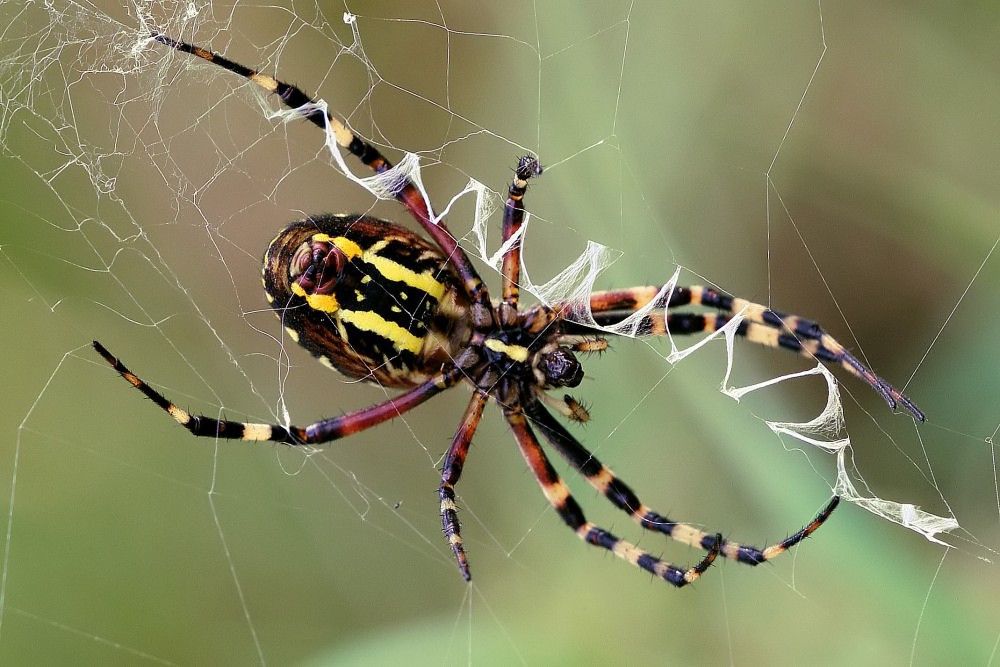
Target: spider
{"x": 380, "y": 303}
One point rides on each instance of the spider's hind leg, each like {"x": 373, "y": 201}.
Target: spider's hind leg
{"x": 404, "y": 189}
{"x": 325, "y": 430}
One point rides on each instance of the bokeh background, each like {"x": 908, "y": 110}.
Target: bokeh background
{"x": 138, "y": 189}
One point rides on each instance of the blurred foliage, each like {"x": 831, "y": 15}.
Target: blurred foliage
{"x": 668, "y": 132}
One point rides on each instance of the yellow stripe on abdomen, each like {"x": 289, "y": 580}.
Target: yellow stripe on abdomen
{"x": 393, "y": 270}
{"x": 367, "y": 320}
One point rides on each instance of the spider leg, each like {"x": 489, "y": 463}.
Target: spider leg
{"x": 404, "y": 189}
{"x": 322, "y": 431}
{"x": 621, "y": 496}
{"x": 451, "y": 471}
{"x": 513, "y": 218}
{"x": 559, "y": 497}
{"x": 760, "y": 325}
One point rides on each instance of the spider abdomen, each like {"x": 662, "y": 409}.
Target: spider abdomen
{"x": 366, "y": 297}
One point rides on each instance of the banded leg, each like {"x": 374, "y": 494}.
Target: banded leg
{"x": 621, "y": 496}
{"x": 559, "y": 497}
{"x": 451, "y": 471}
{"x": 761, "y": 325}
{"x": 406, "y": 192}
{"x": 513, "y": 218}
{"x": 322, "y": 431}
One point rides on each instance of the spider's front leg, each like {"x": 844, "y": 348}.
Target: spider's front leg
{"x": 569, "y": 510}
{"x": 760, "y": 325}
{"x": 621, "y": 496}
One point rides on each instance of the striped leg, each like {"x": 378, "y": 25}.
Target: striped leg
{"x": 405, "y": 191}
{"x": 325, "y": 430}
{"x": 451, "y": 471}
{"x": 513, "y": 218}
{"x": 760, "y": 325}
{"x": 559, "y": 497}
{"x": 622, "y": 497}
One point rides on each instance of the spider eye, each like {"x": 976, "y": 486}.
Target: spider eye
{"x": 561, "y": 369}
{"x": 317, "y": 266}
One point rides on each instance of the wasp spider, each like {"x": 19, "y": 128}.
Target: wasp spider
{"x": 379, "y": 303}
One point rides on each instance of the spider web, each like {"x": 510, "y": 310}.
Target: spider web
{"x": 802, "y": 156}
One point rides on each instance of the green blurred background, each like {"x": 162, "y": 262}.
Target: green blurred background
{"x": 138, "y": 189}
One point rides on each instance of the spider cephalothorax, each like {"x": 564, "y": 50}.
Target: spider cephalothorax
{"x": 380, "y": 303}
{"x": 524, "y": 359}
